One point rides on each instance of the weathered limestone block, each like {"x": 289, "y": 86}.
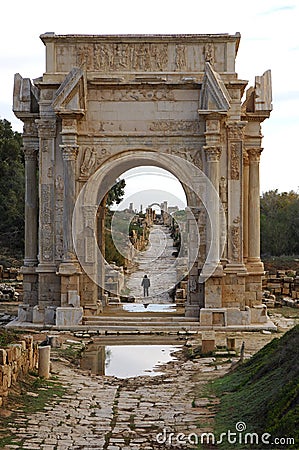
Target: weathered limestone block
{"x": 3, "y": 356}
{"x": 38, "y": 314}
{"x": 259, "y": 314}
{"x": 68, "y": 316}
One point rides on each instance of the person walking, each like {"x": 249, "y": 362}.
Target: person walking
{"x": 146, "y": 284}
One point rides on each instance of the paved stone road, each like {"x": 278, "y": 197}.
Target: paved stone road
{"x": 114, "y": 414}
{"x": 158, "y": 263}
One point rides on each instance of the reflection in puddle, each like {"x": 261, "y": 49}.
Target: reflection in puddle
{"x": 149, "y": 307}
{"x": 125, "y": 361}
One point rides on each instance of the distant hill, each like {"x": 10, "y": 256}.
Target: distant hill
{"x": 263, "y": 393}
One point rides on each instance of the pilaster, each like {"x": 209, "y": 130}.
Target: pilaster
{"x": 235, "y": 136}
{"x": 69, "y": 269}
{"x": 213, "y": 150}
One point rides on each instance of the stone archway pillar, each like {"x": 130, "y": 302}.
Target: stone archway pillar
{"x": 254, "y": 264}
{"x": 70, "y": 312}
{"x": 213, "y": 150}
{"x": 48, "y": 283}
{"x": 30, "y": 293}
{"x": 245, "y": 203}
{"x": 254, "y": 207}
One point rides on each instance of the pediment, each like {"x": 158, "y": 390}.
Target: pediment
{"x": 214, "y": 95}
{"x": 70, "y": 97}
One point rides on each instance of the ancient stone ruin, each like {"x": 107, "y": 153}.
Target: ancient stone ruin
{"x": 106, "y": 104}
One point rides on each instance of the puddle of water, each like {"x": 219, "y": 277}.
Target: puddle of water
{"x": 126, "y": 361}
{"x": 149, "y": 307}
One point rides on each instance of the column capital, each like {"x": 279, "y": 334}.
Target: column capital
{"x": 254, "y": 154}
{"x": 46, "y": 128}
{"x": 213, "y": 153}
{"x": 69, "y": 152}
{"x": 30, "y": 152}
{"x": 235, "y": 130}
{"x": 30, "y": 128}
{"x": 245, "y": 157}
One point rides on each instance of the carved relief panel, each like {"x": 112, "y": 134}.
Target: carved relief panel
{"x": 116, "y": 57}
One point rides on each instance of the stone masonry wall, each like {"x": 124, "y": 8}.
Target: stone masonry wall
{"x": 16, "y": 360}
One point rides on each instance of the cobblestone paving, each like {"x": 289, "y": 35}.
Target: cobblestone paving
{"x": 158, "y": 263}
{"x": 119, "y": 414}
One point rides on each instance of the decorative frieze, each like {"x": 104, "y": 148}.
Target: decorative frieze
{"x": 235, "y": 161}
{"x": 175, "y": 126}
{"x": 135, "y": 95}
{"x": 236, "y": 239}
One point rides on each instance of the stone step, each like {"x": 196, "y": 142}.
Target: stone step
{"x": 160, "y": 324}
{"x": 140, "y": 319}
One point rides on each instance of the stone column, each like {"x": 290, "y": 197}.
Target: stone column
{"x": 255, "y": 267}
{"x": 245, "y": 203}
{"x": 213, "y": 154}
{"x": 254, "y": 207}
{"x": 69, "y": 156}
{"x": 213, "y": 285}
{"x": 31, "y": 210}
{"x": 101, "y": 244}
{"x": 30, "y": 294}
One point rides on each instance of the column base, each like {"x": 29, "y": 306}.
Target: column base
{"x": 67, "y": 316}
{"x": 192, "y": 311}
{"x": 255, "y": 266}
{"x": 234, "y": 317}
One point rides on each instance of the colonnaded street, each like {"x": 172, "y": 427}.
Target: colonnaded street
{"x": 158, "y": 263}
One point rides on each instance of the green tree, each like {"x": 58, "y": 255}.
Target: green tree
{"x": 11, "y": 191}
{"x": 280, "y": 223}
{"x": 115, "y": 195}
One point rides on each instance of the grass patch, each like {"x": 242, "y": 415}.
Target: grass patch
{"x": 71, "y": 352}
{"x": 26, "y": 397}
{"x": 9, "y": 337}
{"x": 263, "y": 393}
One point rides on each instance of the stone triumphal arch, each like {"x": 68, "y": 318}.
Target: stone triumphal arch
{"x": 106, "y": 104}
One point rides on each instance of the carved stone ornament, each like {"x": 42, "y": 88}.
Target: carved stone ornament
{"x": 209, "y": 53}
{"x": 234, "y": 161}
{"x": 30, "y": 153}
{"x": 135, "y": 95}
{"x": 115, "y": 57}
{"x": 180, "y": 57}
{"x": 46, "y": 225}
{"x": 254, "y": 154}
{"x": 213, "y": 153}
{"x": 188, "y": 153}
{"x": 89, "y": 160}
{"x": 174, "y": 125}
{"x": 30, "y": 128}
{"x": 192, "y": 285}
{"x": 223, "y": 189}
{"x": 46, "y": 128}
{"x": 213, "y": 126}
{"x": 235, "y": 132}
{"x": 69, "y": 152}
{"x": 236, "y": 239}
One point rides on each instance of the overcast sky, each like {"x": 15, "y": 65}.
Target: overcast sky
{"x": 269, "y": 40}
